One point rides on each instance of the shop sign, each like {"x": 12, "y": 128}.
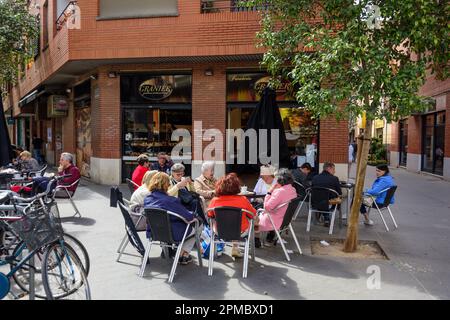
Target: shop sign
{"x": 155, "y": 88}
{"x": 379, "y": 123}
{"x": 57, "y": 106}
{"x": 247, "y": 87}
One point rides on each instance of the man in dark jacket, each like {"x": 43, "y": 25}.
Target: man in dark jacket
{"x": 327, "y": 179}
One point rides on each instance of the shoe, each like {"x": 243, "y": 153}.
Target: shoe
{"x": 184, "y": 260}
{"x": 257, "y": 243}
{"x": 236, "y": 253}
{"x": 369, "y": 223}
{"x": 326, "y": 224}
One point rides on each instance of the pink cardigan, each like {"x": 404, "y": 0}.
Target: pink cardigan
{"x": 279, "y": 196}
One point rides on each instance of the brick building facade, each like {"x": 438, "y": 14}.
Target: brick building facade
{"x": 90, "y": 61}
{"x": 421, "y": 143}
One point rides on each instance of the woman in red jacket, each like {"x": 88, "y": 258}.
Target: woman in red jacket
{"x": 227, "y": 190}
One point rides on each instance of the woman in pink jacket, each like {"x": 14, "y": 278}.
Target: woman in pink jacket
{"x": 281, "y": 192}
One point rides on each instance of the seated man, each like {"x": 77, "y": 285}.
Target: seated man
{"x": 164, "y": 163}
{"x": 327, "y": 179}
{"x": 66, "y": 166}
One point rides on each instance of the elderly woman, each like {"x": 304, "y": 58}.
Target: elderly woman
{"x": 184, "y": 189}
{"x": 158, "y": 198}
{"x": 205, "y": 184}
{"x": 266, "y": 180}
{"x": 27, "y": 162}
{"x": 178, "y": 181}
{"x": 282, "y": 192}
{"x": 138, "y": 196}
{"x": 227, "y": 190}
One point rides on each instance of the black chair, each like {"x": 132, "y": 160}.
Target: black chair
{"x": 161, "y": 233}
{"x": 116, "y": 198}
{"x": 131, "y": 185}
{"x": 227, "y": 221}
{"x": 385, "y": 205}
{"x": 291, "y": 210}
{"x": 319, "y": 202}
{"x": 303, "y": 192}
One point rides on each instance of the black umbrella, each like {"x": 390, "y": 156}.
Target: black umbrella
{"x": 267, "y": 116}
{"x": 6, "y": 152}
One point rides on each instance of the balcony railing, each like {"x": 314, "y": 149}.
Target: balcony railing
{"x": 213, "y": 6}
{"x": 68, "y": 11}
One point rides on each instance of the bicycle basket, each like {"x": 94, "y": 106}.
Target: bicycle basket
{"x": 37, "y": 229}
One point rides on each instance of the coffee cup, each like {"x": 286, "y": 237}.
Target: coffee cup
{"x": 244, "y": 189}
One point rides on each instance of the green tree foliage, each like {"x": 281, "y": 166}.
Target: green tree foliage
{"x": 353, "y": 57}
{"x": 348, "y": 60}
{"x": 17, "y": 30}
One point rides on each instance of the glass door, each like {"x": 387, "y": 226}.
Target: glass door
{"x": 403, "y": 124}
{"x": 433, "y": 143}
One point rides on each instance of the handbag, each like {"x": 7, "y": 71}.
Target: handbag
{"x": 367, "y": 201}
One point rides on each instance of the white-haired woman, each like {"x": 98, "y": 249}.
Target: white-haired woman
{"x": 205, "y": 184}
{"x": 183, "y": 188}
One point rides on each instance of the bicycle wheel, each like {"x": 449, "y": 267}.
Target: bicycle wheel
{"x": 63, "y": 274}
{"x": 80, "y": 250}
{"x": 22, "y": 275}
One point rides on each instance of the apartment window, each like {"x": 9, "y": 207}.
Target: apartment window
{"x": 118, "y": 9}
{"x": 45, "y": 25}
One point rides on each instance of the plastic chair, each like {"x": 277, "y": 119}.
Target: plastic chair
{"x": 291, "y": 210}
{"x": 385, "y": 205}
{"x": 319, "y": 202}
{"x": 161, "y": 233}
{"x": 69, "y": 195}
{"x": 227, "y": 221}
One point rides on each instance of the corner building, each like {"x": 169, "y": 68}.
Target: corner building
{"x": 113, "y": 79}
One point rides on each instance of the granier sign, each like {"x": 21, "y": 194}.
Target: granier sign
{"x": 155, "y": 88}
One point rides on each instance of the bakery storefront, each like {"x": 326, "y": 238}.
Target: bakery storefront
{"x": 153, "y": 106}
{"x": 302, "y": 132}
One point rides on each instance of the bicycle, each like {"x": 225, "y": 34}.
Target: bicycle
{"x": 63, "y": 274}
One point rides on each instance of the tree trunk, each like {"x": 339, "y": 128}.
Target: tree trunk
{"x": 351, "y": 242}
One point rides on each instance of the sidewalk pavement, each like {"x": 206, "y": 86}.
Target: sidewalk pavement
{"x": 418, "y": 265}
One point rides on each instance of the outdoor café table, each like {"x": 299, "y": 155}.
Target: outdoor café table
{"x": 349, "y": 186}
{"x": 252, "y": 195}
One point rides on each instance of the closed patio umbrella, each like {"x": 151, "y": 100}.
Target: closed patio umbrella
{"x": 267, "y": 116}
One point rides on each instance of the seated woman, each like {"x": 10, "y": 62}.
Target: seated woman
{"x": 383, "y": 181}
{"x": 138, "y": 196}
{"x": 205, "y": 184}
{"x": 266, "y": 180}
{"x": 227, "y": 190}
{"x": 158, "y": 198}
{"x": 184, "y": 189}
{"x": 281, "y": 192}
{"x": 28, "y": 163}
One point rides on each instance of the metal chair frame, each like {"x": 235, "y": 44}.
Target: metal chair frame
{"x": 250, "y": 237}
{"x": 173, "y": 245}
{"x": 305, "y": 199}
{"x": 385, "y": 206}
{"x": 131, "y": 184}
{"x": 66, "y": 189}
{"x": 286, "y": 225}
{"x": 311, "y": 210}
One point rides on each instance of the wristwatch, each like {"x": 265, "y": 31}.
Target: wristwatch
{"x": 269, "y": 193}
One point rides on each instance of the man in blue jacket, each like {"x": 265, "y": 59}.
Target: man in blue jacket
{"x": 384, "y": 181}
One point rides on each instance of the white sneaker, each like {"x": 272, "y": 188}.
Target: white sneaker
{"x": 369, "y": 223}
